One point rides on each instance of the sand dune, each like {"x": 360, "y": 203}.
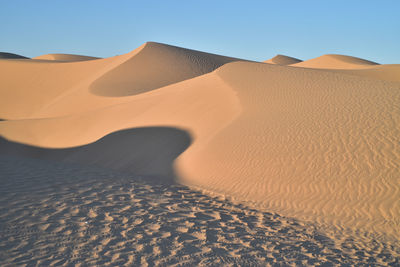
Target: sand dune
{"x": 4, "y": 55}
{"x": 65, "y": 57}
{"x": 336, "y": 62}
{"x": 54, "y": 86}
{"x": 319, "y": 145}
{"x": 283, "y": 60}
{"x": 155, "y": 66}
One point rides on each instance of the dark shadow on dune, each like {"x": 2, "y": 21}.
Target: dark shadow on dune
{"x": 146, "y": 152}
{"x": 5, "y": 55}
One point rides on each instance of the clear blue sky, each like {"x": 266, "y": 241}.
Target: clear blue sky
{"x": 255, "y": 30}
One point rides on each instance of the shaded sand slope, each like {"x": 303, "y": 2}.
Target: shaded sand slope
{"x": 65, "y": 57}
{"x": 312, "y": 144}
{"x": 336, "y": 62}
{"x": 50, "y": 88}
{"x": 283, "y": 60}
{"x": 4, "y": 55}
{"x": 142, "y": 151}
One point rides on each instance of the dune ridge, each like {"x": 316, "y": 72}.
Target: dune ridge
{"x": 283, "y": 60}
{"x": 318, "y": 145}
{"x": 333, "y": 61}
{"x": 65, "y": 57}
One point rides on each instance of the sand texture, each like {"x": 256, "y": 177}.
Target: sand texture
{"x": 167, "y": 155}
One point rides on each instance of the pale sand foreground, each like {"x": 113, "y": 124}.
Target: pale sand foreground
{"x": 317, "y": 142}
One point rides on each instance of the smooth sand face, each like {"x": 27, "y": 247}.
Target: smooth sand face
{"x": 319, "y": 145}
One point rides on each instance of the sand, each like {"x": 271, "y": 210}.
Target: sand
{"x": 283, "y": 60}
{"x": 309, "y": 153}
{"x": 65, "y": 57}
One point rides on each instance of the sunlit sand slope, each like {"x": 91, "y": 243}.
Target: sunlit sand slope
{"x": 65, "y": 57}
{"x": 336, "y": 62}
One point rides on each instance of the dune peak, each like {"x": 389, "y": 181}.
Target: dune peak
{"x": 336, "y": 61}
{"x": 282, "y": 60}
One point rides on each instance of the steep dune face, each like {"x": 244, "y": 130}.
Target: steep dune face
{"x": 336, "y": 62}
{"x": 65, "y": 57}
{"x": 282, "y": 60}
{"x": 4, "y": 55}
{"x": 318, "y": 145}
{"x": 157, "y": 65}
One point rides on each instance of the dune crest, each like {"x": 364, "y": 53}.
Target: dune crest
{"x": 283, "y": 60}
{"x": 65, "y": 57}
{"x": 332, "y": 61}
{"x": 155, "y": 66}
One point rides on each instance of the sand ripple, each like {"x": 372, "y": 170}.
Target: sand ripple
{"x": 58, "y": 214}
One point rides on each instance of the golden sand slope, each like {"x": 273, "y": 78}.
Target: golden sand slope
{"x": 336, "y": 62}
{"x": 315, "y": 144}
{"x": 65, "y": 57}
{"x": 283, "y": 60}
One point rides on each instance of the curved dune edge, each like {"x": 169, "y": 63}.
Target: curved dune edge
{"x": 283, "y": 60}
{"x": 316, "y": 145}
{"x": 65, "y": 57}
{"x": 332, "y": 61}
{"x": 53, "y": 87}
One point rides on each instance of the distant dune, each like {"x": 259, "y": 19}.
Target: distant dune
{"x": 283, "y": 60}
{"x": 65, "y": 57}
{"x": 4, "y": 55}
{"x": 336, "y": 62}
{"x": 318, "y": 140}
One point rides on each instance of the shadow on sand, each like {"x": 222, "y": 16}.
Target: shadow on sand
{"x": 146, "y": 152}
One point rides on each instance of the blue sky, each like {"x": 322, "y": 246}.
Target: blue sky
{"x": 255, "y": 30}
